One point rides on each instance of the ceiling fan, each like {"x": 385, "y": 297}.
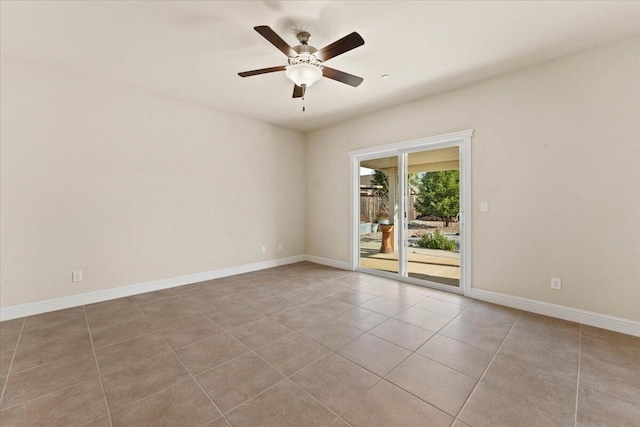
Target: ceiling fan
{"x": 306, "y": 62}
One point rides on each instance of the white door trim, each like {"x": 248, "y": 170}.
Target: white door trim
{"x": 461, "y": 139}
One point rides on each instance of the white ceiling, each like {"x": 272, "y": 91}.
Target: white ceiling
{"x": 193, "y": 50}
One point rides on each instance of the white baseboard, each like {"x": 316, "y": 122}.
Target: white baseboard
{"x": 329, "y": 262}
{"x": 604, "y": 321}
{"x": 29, "y": 309}
{"x": 599, "y": 320}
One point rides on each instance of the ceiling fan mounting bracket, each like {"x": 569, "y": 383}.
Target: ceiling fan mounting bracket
{"x": 303, "y": 37}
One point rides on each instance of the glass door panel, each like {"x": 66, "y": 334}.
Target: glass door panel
{"x": 432, "y": 204}
{"x": 379, "y": 210}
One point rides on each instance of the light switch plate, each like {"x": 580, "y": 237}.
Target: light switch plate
{"x": 484, "y": 206}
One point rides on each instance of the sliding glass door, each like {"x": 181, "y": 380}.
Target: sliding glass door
{"x": 408, "y": 203}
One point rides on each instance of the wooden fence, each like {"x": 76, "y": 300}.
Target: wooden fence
{"x": 370, "y": 206}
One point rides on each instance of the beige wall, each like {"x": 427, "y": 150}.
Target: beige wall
{"x": 130, "y": 187}
{"x": 556, "y": 153}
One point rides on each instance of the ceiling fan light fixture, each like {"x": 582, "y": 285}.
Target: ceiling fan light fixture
{"x": 303, "y": 73}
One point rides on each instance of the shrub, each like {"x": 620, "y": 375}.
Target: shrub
{"x": 436, "y": 240}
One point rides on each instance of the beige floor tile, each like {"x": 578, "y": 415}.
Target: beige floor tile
{"x": 220, "y": 422}
{"x": 5, "y": 362}
{"x": 451, "y": 297}
{"x": 370, "y": 288}
{"x": 108, "y": 335}
{"x": 123, "y": 354}
{"x": 184, "y": 333}
{"x": 153, "y": 296}
{"x": 42, "y": 334}
{"x": 403, "y": 334}
{"x": 217, "y": 305}
{"x": 99, "y": 422}
{"x": 385, "y": 306}
{"x": 455, "y": 354}
{"x": 375, "y": 354}
{"x": 544, "y": 334}
{"x": 614, "y": 379}
{"x": 609, "y": 336}
{"x": 201, "y": 295}
{"x": 444, "y": 308}
{"x": 483, "y": 337}
{"x": 33, "y": 383}
{"x": 353, "y": 296}
{"x": 335, "y": 381}
{"x": 490, "y": 406}
{"x": 236, "y": 317}
{"x": 11, "y": 326}
{"x": 534, "y": 320}
{"x": 111, "y": 305}
{"x": 556, "y": 357}
{"x": 260, "y": 332}
{"x": 113, "y": 317}
{"x": 557, "y": 393}
{"x": 597, "y": 408}
{"x": 327, "y": 288}
{"x": 291, "y": 353}
{"x": 140, "y": 380}
{"x": 442, "y": 387}
{"x": 403, "y": 296}
{"x": 8, "y": 342}
{"x": 458, "y": 423}
{"x": 210, "y": 352}
{"x": 168, "y": 319}
{"x": 74, "y": 405}
{"x": 361, "y": 318}
{"x": 285, "y": 404}
{"x": 184, "y": 404}
{"x": 338, "y": 422}
{"x": 386, "y": 405}
{"x": 54, "y": 317}
{"x": 424, "y": 319}
{"x": 331, "y": 333}
{"x": 327, "y": 307}
{"x": 28, "y": 357}
{"x": 298, "y": 317}
{"x": 254, "y": 295}
{"x": 165, "y": 304}
{"x": 484, "y": 319}
{"x": 615, "y": 353}
{"x": 239, "y": 380}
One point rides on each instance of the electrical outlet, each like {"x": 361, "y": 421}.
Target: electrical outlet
{"x": 76, "y": 276}
{"x": 264, "y": 249}
{"x": 279, "y": 247}
{"x": 556, "y": 283}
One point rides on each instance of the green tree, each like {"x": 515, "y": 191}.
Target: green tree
{"x": 439, "y": 194}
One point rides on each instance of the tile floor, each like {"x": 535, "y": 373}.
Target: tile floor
{"x": 307, "y": 345}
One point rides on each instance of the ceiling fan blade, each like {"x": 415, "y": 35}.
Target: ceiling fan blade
{"x": 341, "y": 76}
{"x": 262, "y": 71}
{"x": 297, "y": 91}
{"x": 275, "y": 40}
{"x": 339, "y": 47}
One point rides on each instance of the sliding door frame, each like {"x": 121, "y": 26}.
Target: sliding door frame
{"x": 461, "y": 139}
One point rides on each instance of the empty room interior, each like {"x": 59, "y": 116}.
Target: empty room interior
{"x": 320, "y": 213}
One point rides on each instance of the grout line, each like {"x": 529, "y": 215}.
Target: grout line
{"x": 95, "y": 358}
{"x": 578, "y": 379}
{"x": 487, "y": 368}
{"x": 186, "y": 369}
{"x": 15, "y": 351}
{"x": 285, "y": 377}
